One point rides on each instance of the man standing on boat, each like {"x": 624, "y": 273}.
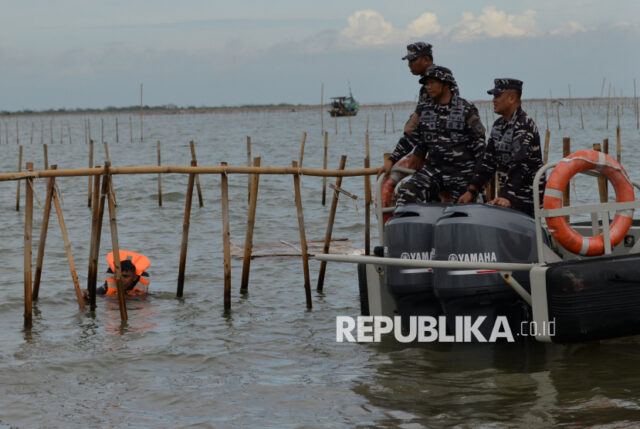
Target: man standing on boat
{"x": 420, "y": 58}
{"x": 513, "y": 151}
{"x": 450, "y": 136}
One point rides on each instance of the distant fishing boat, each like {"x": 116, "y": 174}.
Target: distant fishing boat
{"x": 344, "y": 106}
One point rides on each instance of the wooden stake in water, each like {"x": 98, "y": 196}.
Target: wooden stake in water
{"x": 226, "y": 238}
{"x": 349, "y": 122}
{"x": 89, "y": 197}
{"x": 635, "y": 103}
{"x": 251, "y": 219}
{"x": 159, "y": 177}
{"x": 558, "y": 112}
{"x": 67, "y": 245}
{"x": 185, "y": 232}
{"x": 581, "y": 119}
{"x": 28, "y": 225}
{"x": 31, "y": 136}
{"x": 570, "y": 102}
{"x": 249, "y": 176}
{"x": 115, "y": 246}
{"x": 322, "y": 108}
{"x": 303, "y": 237}
{"x": 618, "y": 144}
{"x": 393, "y": 123}
{"x": 42, "y": 131}
{"x": 43, "y": 235}
{"x": 367, "y": 201}
{"x": 102, "y": 129}
{"x": 566, "y": 151}
{"x": 304, "y": 140}
{"x": 117, "y": 133}
{"x": 51, "y": 131}
{"x": 385, "y": 122}
{"x": 324, "y": 166}
{"x": 546, "y": 113}
{"x": 46, "y": 157}
{"x": 332, "y": 216}
{"x": 547, "y": 136}
{"x": 335, "y": 120}
{"x": 141, "y": 114}
{"x": 367, "y": 124}
{"x": 68, "y": 132}
{"x": 131, "y": 128}
{"x": 602, "y": 181}
{"x": 17, "y": 133}
{"x": 193, "y": 158}
{"x": 19, "y": 169}
{"x": 99, "y": 193}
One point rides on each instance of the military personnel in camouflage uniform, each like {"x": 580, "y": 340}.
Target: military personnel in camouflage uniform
{"x": 420, "y": 58}
{"x": 451, "y": 137}
{"x": 513, "y": 151}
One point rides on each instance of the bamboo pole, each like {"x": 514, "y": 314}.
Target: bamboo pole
{"x": 67, "y": 245}
{"x": 566, "y": 151}
{"x": 115, "y": 247}
{"x": 19, "y": 169}
{"x": 51, "y": 131}
{"x": 385, "y": 123}
{"x": 367, "y": 201}
{"x": 303, "y": 238}
{"x": 324, "y": 166}
{"x": 558, "y": 114}
{"x": 112, "y": 191}
{"x": 618, "y": 144}
{"x": 335, "y": 120}
{"x": 28, "y": 224}
{"x": 99, "y": 192}
{"x": 602, "y": 181}
{"x": 41, "y": 131}
{"x": 393, "y": 123}
{"x": 61, "y": 131}
{"x": 131, "y": 128}
{"x": 102, "y": 129}
{"x": 248, "y": 165}
{"x": 332, "y": 215}
{"x": 581, "y": 119}
{"x": 185, "y": 232}
{"x": 547, "y": 137}
{"x": 367, "y": 124}
{"x": 251, "y": 219}
{"x": 31, "y": 136}
{"x": 141, "y": 115}
{"x": 89, "y": 197}
{"x": 635, "y": 99}
{"x": 117, "y": 133}
{"x": 546, "y": 113}
{"x": 226, "y": 238}
{"x": 304, "y": 140}
{"x": 193, "y": 158}
{"x": 17, "y": 133}
{"x": 322, "y": 107}
{"x": 174, "y": 169}
{"x": 43, "y": 235}
{"x": 159, "y": 176}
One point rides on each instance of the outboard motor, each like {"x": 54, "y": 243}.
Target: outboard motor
{"x": 482, "y": 233}
{"x": 409, "y": 235}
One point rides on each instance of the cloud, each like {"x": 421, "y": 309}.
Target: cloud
{"x": 568, "y": 29}
{"x": 369, "y": 28}
{"x": 427, "y": 23}
{"x": 493, "y": 23}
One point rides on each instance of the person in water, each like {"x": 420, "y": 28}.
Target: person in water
{"x": 135, "y": 280}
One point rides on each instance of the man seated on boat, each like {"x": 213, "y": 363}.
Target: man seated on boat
{"x": 135, "y": 280}
{"x": 513, "y": 150}
{"x": 450, "y": 136}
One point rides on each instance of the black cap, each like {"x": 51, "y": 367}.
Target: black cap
{"x": 418, "y": 49}
{"x": 502, "y": 84}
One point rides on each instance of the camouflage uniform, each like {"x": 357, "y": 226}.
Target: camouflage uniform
{"x": 452, "y": 136}
{"x": 513, "y": 150}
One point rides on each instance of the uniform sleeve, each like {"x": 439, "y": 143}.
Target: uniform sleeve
{"x": 403, "y": 147}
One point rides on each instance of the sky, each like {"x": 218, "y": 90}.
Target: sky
{"x": 89, "y": 54}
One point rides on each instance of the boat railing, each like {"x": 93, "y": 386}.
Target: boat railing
{"x": 603, "y": 209}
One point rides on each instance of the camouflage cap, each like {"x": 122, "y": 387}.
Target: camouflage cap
{"x": 502, "y": 84}
{"x": 440, "y": 73}
{"x": 418, "y": 49}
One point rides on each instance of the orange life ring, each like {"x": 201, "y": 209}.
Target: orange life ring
{"x": 558, "y": 181}
{"x": 389, "y": 184}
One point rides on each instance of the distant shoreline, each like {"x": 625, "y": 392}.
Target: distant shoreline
{"x": 176, "y": 110}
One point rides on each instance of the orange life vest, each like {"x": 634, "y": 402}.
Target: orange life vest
{"x": 141, "y": 263}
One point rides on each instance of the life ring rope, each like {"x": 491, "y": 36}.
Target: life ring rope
{"x": 558, "y": 181}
